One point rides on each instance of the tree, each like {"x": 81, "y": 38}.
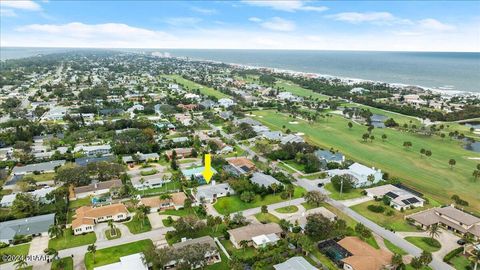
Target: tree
{"x": 468, "y": 238}
{"x": 142, "y": 212}
{"x": 476, "y": 174}
{"x": 475, "y": 258}
{"x": 274, "y": 187}
{"x": 426, "y": 257}
{"x": 247, "y": 196}
{"x": 92, "y": 249}
{"x": 452, "y": 163}
{"x": 25, "y": 204}
{"x": 428, "y": 153}
{"x": 397, "y": 260}
{"x": 342, "y": 183}
{"x": 365, "y": 137}
{"x": 112, "y": 227}
{"x": 416, "y": 263}
{"x": 384, "y": 137}
{"x": 407, "y": 144}
{"x": 318, "y": 227}
{"x": 350, "y": 125}
{"x": 434, "y": 231}
{"x": 314, "y": 197}
{"x": 371, "y": 178}
{"x": 51, "y": 252}
{"x": 73, "y": 174}
{"x": 422, "y": 152}
{"x": 244, "y": 244}
{"x": 54, "y": 231}
{"x": 264, "y": 209}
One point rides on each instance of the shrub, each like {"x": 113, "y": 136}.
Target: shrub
{"x": 432, "y": 242}
{"x": 390, "y": 213}
{"x": 376, "y": 208}
{"x": 452, "y": 254}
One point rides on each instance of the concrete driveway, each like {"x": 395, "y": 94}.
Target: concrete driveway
{"x": 38, "y": 245}
{"x": 156, "y": 220}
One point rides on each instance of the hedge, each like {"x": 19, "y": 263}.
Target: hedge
{"x": 452, "y": 254}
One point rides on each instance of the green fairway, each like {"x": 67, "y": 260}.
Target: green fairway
{"x": 190, "y": 86}
{"x": 396, "y": 221}
{"x": 231, "y": 204}
{"x": 432, "y": 176}
{"x": 299, "y": 91}
{"x": 113, "y": 254}
{"x": 68, "y": 240}
{"x": 424, "y": 243}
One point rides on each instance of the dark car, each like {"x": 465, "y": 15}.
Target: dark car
{"x": 461, "y": 242}
{"x": 320, "y": 185}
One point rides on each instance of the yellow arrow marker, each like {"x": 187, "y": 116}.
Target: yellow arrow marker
{"x": 207, "y": 172}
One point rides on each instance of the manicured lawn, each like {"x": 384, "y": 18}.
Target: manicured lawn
{"x": 295, "y": 165}
{"x": 460, "y": 262}
{"x": 67, "y": 264}
{"x": 409, "y": 267}
{"x": 308, "y": 206}
{"x": 247, "y": 252}
{"x": 215, "y": 231}
{"x": 79, "y": 202}
{"x": 423, "y": 243}
{"x": 395, "y": 221}
{"x": 149, "y": 172}
{"x": 181, "y": 212}
{"x": 14, "y": 250}
{"x": 314, "y": 176}
{"x": 227, "y": 205}
{"x": 113, "y": 254}
{"x": 334, "y": 194}
{"x": 138, "y": 226}
{"x": 108, "y": 234}
{"x": 431, "y": 175}
{"x": 350, "y": 221}
{"x": 286, "y": 168}
{"x": 167, "y": 223}
{"x": 324, "y": 259}
{"x": 68, "y": 240}
{"x": 372, "y": 242}
{"x": 394, "y": 249}
{"x": 43, "y": 177}
{"x": 221, "y": 265}
{"x": 267, "y": 218}
{"x": 287, "y": 209}
{"x": 191, "y": 86}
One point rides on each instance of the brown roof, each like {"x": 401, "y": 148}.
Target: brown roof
{"x": 201, "y": 240}
{"x": 364, "y": 256}
{"x": 458, "y": 215}
{"x": 98, "y": 186}
{"x": 249, "y": 231}
{"x": 427, "y": 217}
{"x": 86, "y": 214}
{"x": 177, "y": 199}
{"x": 179, "y": 151}
{"x": 242, "y": 161}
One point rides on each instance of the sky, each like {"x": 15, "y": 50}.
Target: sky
{"x": 295, "y": 25}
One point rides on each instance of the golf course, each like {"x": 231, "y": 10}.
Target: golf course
{"x": 432, "y": 176}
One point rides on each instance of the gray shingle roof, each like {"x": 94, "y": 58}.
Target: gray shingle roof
{"x": 26, "y": 226}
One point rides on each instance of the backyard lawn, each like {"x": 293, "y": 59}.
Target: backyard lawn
{"x": 423, "y": 243}
{"x": 267, "y": 218}
{"x": 191, "y": 86}
{"x": 42, "y": 177}
{"x": 136, "y": 225}
{"x": 79, "y": 202}
{"x": 67, "y": 264}
{"x": 396, "y": 221}
{"x": 432, "y": 176}
{"x": 14, "y": 250}
{"x": 334, "y": 194}
{"x": 167, "y": 187}
{"x": 231, "y": 204}
{"x": 113, "y": 254}
{"x": 68, "y": 240}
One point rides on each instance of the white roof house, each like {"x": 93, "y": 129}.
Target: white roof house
{"x": 360, "y": 174}
{"x": 130, "y": 262}
{"x": 265, "y": 180}
{"x": 43, "y": 167}
{"x": 290, "y": 138}
{"x": 399, "y": 198}
{"x": 226, "y": 102}
{"x": 297, "y": 263}
{"x": 93, "y": 150}
{"x": 211, "y": 192}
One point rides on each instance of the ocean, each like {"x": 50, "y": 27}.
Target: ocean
{"x": 448, "y": 71}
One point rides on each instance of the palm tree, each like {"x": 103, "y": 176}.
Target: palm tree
{"x": 112, "y": 228}
{"x": 244, "y": 244}
{"x": 92, "y": 248}
{"x": 54, "y": 231}
{"x": 274, "y": 187}
{"x": 51, "y": 252}
{"x": 434, "y": 231}
{"x": 475, "y": 259}
{"x": 142, "y": 181}
{"x": 452, "y": 163}
{"x": 468, "y": 238}
{"x": 20, "y": 263}
{"x": 397, "y": 260}
{"x": 166, "y": 196}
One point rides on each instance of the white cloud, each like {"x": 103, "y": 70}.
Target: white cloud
{"x": 254, "y": 19}
{"x": 20, "y": 4}
{"x": 432, "y": 24}
{"x": 372, "y": 17}
{"x": 183, "y": 21}
{"x": 7, "y": 13}
{"x": 206, "y": 11}
{"x": 278, "y": 24}
{"x": 289, "y": 6}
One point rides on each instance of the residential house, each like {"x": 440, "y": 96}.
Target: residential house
{"x": 273, "y": 135}
{"x": 240, "y": 165}
{"x": 156, "y": 204}
{"x": 84, "y": 161}
{"x": 363, "y": 256}
{"x": 448, "y": 217}
{"x": 360, "y": 174}
{"x": 44, "y": 167}
{"x": 93, "y": 150}
{"x": 211, "y": 257}
{"x": 264, "y": 180}
{"x": 326, "y": 156}
{"x": 195, "y": 173}
{"x": 181, "y": 152}
{"x": 291, "y": 138}
{"x": 294, "y": 263}
{"x": 225, "y": 115}
{"x": 210, "y": 193}
{"x": 39, "y": 194}
{"x": 225, "y": 102}
{"x": 257, "y": 235}
{"x": 130, "y": 262}
{"x": 94, "y": 189}
{"x": 140, "y": 157}
{"x": 31, "y": 226}
{"x": 86, "y": 216}
{"x": 400, "y": 199}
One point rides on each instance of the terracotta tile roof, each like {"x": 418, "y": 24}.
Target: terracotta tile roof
{"x": 177, "y": 199}
{"x": 241, "y": 162}
{"x": 364, "y": 256}
{"x": 85, "y": 215}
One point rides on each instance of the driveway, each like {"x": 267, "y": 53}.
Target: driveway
{"x": 355, "y": 201}
{"x": 446, "y": 238}
{"x": 37, "y": 246}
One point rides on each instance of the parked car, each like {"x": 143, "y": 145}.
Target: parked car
{"x": 461, "y": 242}
{"x": 320, "y": 185}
